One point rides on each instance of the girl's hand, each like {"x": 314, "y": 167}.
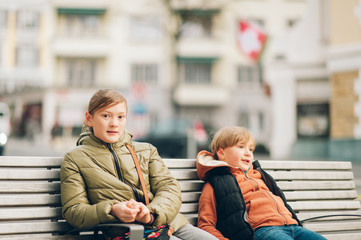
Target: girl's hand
{"x": 125, "y": 212}
{"x": 131, "y": 211}
{"x": 143, "y": 216}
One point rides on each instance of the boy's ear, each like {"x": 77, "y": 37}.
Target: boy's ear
{"x": 88, "y": 119}
{"x": 220, "y": 154}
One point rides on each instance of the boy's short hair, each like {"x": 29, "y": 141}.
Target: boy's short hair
{"x": 230, "y": 136}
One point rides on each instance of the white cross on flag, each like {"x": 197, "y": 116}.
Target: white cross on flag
{"x": 251, "y": 39}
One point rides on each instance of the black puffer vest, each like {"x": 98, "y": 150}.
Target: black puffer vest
{"x": 232, "y": 220}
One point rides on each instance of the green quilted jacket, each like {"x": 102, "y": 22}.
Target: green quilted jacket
{"x": 90, "y": 184}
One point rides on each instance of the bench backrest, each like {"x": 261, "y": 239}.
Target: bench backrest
{"x": 30, "y": 194}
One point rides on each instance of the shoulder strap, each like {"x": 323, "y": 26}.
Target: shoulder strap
{"x": 140, "y": 174}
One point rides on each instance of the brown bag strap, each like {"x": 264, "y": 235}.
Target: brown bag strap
{"x": 140, "y": 174}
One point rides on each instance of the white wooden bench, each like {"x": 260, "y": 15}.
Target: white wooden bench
{"x": 30, "y": 206}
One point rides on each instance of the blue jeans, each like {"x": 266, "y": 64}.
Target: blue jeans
{"x": 286, "y": 233}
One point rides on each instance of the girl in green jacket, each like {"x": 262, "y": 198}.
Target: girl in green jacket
{"x": 99, "y": 181}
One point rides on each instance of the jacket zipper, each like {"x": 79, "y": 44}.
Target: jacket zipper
{"x": 245, "y": 173}
{"x": 276, "y": 207}
{"x": 116, "y": 161}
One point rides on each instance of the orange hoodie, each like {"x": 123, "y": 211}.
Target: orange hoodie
{"x": 263, "y": 207}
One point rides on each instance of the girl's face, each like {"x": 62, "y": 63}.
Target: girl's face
{"x": 240, "y": 155}
{"x": 108, "y": 123}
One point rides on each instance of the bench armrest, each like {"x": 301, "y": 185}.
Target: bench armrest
{"x": 136, "y": 231}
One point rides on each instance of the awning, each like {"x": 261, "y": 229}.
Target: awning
{"x": 209, "y": 60}
{"x": 198, "y": 12}
{"x": 81, "y": 11}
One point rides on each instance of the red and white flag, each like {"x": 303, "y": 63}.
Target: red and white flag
{"x": 251, "y": 39}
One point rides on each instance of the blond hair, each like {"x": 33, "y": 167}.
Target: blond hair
{"x": 230, "y": 136}
{"x": 105, "y": 98}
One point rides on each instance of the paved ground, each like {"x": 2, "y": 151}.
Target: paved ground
{"x": 21, "y": 147}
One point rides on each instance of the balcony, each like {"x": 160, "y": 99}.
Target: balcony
{"x": 200, "y": 47}
{"x": 21, "y": 79}
{"x": 200, "y": 95}
{"x": 197, "y": 4}
{"x": 84, "y": 47}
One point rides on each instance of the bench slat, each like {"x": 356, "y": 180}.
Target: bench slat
{"x": 310, "y": 175}
{"x": 348, "y": 236}
{"x": 33, "y": 227}
{"x": 15, "y": 214}
{"x": 29, "y": 174}
{"x": 325, "y": 205}
{"x": 306, "y": 215}
{"x": 29, "y": 187}
{"x": 180, "y": 163}
{"x": 7, "y": 200}
{"x": 190, "y": 196}
{"x": 189, "y": 208}
{"x": 319, "y": 195}
{"x": 191, "y": 185}
{"x": 47, "y": 237}
{"x": 190, "y": 174}
{"x": 298, "y": 165}
{"x": 316, "y": 185}
{"x": 11, "y": 161}
{"x": 336, "y": 226}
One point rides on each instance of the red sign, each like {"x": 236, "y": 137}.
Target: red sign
{"x": 251, "y": 39}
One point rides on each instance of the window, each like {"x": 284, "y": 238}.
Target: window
{"x": 82, "y": 25}
{"x": 243, "y": 119}
{"x": 197, "y": 73}
{"x": 194, "y": 26}
{"x": 146, "y": 28}
{"x": 261, "y": 121}
{"x": 291, "y": 22}
{"x": 313, "y": 120}
{"x": 27, "y": 20}
{"x": 193, "y": 113}
{"x": 81, "y": 72}
{"x": 1, "y": 52}
{"x": 144, "y": 73}
{"x": 258, "y": 22}
{"x": 249, "y": 75}
{"x": 27, "y": 56}
{"x": 3, "y": 19}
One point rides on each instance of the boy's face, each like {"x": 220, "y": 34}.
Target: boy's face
{"x": 108, "y": 123}
{"x": 239, "y": 155}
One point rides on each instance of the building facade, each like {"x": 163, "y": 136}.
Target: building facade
{"x": 320, "y": 64}
{"x": 171, "y": 59}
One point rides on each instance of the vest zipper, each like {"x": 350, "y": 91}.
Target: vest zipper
{"x": 116, "y": 161}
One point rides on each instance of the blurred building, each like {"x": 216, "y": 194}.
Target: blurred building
{"x": 316, "y": 84}
{"x": 171, "y": 59}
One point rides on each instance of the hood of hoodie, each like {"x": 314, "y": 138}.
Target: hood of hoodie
{"x": 206, "y": 162}
{"x": 87, "y": 137}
